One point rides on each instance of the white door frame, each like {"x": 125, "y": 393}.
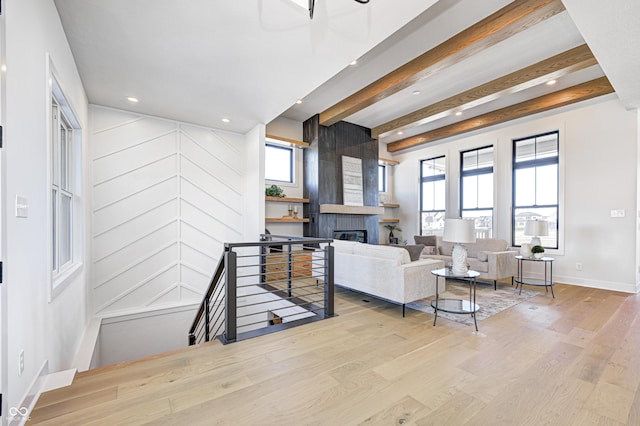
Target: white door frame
{"x": 3, "y": 222}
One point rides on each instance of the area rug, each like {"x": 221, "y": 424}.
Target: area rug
{"x": 490, "y": 301}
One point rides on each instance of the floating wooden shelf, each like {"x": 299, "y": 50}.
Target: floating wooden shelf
{"x": 286, "y": 220}
{"x": 292, "y": 142}
{"x": 287, "y": 199}
{"x": 389, "y": 220}
{"x": 388, "y": 162}
{"x": 342, "y": 209}
{"x": 391, "y": 205}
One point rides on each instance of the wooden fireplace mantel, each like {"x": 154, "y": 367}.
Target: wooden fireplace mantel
{"x": 342, "y": 209}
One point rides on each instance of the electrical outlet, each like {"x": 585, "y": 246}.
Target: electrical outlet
{"x": 578, "y": 266}
{"x": 21, "y": 362}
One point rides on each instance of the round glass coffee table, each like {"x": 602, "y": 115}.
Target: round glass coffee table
{"x": 456, "y": 306}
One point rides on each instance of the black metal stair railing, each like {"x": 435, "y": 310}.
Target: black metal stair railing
{"x": 208, "y": 322}
{"x": 265, "y": 286}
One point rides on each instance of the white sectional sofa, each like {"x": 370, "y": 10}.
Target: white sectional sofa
{"x": 489, "y": 256}
{"x": 386, "y": 272}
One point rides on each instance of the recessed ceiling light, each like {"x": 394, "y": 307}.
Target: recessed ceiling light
{"x": 400, "y": 132}
{"x": 459, "y": 113}
{"x": 226, "y": 120}
{"x": 352, "y": 63}
{"x": 415, "y": 92}
{"x": 299, "y": 101}
{"x": 550, "y": 82}
{"x": 133, "y": 99}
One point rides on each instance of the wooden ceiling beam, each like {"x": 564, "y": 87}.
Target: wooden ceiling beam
{"x": 555, "y": 67}
{"x": 508, "y": 21}
{"x": 578, "y": 93}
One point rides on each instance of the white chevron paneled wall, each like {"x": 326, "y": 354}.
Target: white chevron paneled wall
{"x": 166, "y": 196}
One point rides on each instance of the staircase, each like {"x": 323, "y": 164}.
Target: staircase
{"x": 266, "y": 286}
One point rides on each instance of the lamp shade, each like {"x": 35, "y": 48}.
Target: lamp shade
{"x": 536, "y": 228}
{"x": 459, "y": 231}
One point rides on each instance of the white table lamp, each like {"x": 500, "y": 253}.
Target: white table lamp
{"x": 536, "y": 229}
{"x": 459, "y": 231}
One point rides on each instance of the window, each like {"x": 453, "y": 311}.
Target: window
{"x": 476, "y": 188}
{"x": 61, "y": 189}
{"x": 278, "y": 163}
{"x": 64, "y": 182}
{"x": 382, "y": 178}
{"x": 535, "y": 186}
{"x": 432, "y": 196}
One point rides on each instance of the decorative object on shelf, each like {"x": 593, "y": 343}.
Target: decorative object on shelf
{"x": 391, "y": 227}
{"x": 538, "y": 251}
{"x": 536, "y": 228}
{"x": 295, "y": 212}
{"x": 525, "y": 249}
{"x": 274, "y": 191}
{"x": 289, "y": 209}
{"x": 459, "y": 231}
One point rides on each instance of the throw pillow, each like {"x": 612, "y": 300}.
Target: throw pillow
{"x": 430, "y": 250}
{"x": 427, "y": 240}
{"x": 414, "y": 251}
{"x": 482, "y": 256}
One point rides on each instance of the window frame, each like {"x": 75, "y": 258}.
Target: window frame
{"x": 435, "y": 178}
{"x": 62, "y": 182}
{"x": 59, "y": 277}
{"x": 478, "y": 172}
{"x": 382, "y": 171}
{"x": 533, "y": 164}
{"x": 291, "y": 163}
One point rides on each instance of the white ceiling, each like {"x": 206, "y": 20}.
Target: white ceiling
{"x": 201, "y": 60}
{"x": 250, "y": 60}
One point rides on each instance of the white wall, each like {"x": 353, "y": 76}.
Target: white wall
{"x": 599, "y": 163}
{"x": 166, "y": 197}
{"x": 49, "y": 332}
{"x": 390, "y": 197}
{"x": 128, "y": 337}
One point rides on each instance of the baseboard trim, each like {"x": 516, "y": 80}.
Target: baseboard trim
{"x": 30, "y": 398}
{"x": 604, "y": 285}
{"x": 87, "y": 347}
{"x": 128, "y": 315}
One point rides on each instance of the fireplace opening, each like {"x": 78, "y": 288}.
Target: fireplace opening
{"x": 359, "y": 235}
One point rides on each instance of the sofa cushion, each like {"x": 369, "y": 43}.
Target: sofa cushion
{"x": 343, "y": 246}
{"x": 398, "y": 254}
{"x": 491, "y": 244}
{"x": 414, "y": 250}
{"x": 482, "y": 256}
{"x": 477, "y": 265}
{"x": 430, "y": 250}
{"x": 427, "y": 240}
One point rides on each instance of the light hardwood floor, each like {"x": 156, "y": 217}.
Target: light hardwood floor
{"x": 574, "y": 360}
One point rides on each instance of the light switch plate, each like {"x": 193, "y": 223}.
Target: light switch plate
{"x": 22, "y": 206}
{"x": 617, "y": 213}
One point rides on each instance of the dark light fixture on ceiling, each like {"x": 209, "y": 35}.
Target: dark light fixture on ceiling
{"x": 312, "y": 6}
